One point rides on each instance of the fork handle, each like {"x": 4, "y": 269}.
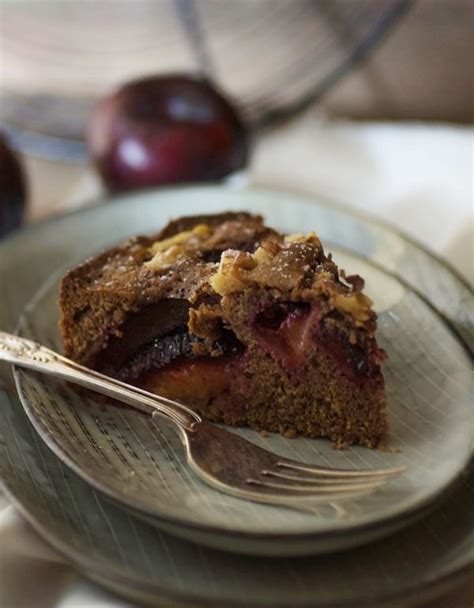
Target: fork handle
{"x": 26, "y": 353}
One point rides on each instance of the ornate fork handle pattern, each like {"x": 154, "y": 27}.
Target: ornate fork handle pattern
{"x": 27, "y": 353}
{"x": 14, "y": 348}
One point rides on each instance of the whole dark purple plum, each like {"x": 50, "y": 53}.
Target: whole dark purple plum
{"x": 165, "y": 130}
{"x": 12, "y": 189}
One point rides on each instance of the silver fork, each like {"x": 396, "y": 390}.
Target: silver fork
{"x": 220, "y": 458}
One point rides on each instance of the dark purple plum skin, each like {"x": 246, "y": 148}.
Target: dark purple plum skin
{"x": 12, "y": 190}
{"x": 165, "y": 130}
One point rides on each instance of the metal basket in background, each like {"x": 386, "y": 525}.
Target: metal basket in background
{"x": 271, "y": 56}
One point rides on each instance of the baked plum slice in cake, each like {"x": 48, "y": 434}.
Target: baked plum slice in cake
{"x": 246, "y": 325}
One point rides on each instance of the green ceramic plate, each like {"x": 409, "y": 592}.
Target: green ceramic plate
{"x": 113, "y": 545}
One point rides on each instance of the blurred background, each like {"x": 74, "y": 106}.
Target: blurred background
{"x": 352, "y": 65}
{"x": 397, "y": 59}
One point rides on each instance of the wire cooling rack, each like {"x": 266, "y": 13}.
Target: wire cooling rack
{"x": 272, "y": 56}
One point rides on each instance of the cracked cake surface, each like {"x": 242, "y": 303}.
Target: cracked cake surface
{"x": 245, "y": 324}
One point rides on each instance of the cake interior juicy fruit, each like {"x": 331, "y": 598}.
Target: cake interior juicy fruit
{"x": 244, "y": 324}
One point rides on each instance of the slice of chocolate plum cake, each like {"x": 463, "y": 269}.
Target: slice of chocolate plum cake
{"x": 246, "y": 325}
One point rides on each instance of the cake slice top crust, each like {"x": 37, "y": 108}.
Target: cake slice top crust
{"x": 202, "y": 263}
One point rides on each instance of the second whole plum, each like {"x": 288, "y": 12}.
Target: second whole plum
{"x": 165, "y": 130}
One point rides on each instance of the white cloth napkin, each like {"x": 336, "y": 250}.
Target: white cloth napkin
{"x": 416, "y": 176}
